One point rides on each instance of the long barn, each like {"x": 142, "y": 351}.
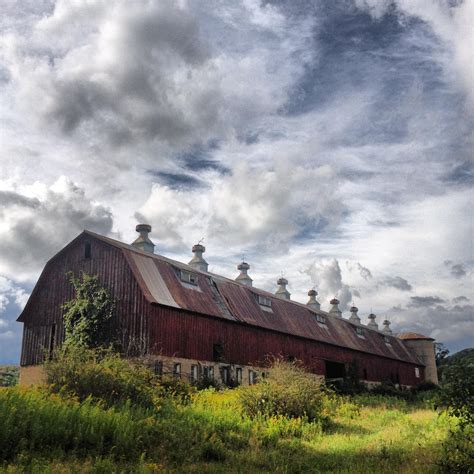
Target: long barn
{"x": 192, "y": 323}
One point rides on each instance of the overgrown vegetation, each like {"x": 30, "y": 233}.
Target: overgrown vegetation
{"x": 88, "y": 316}
{"x": 101, "y": 413}
{"x": 9, "y": 375}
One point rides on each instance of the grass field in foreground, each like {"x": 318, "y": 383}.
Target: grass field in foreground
{"x": 367, "y": 434}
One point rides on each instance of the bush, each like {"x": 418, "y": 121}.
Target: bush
{"x": 102, "y": 375}
{"x": 288, "y": 390}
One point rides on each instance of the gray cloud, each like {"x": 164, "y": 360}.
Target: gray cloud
{"x": 458, "y": 270}
{"x": 10, "y": 198}
{"x": 36, "y": 232}
{"x": 397, "y": 282}
{"x": 460, "y": 299}
{"x": 423, "y": 301}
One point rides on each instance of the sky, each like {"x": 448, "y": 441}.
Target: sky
{"x": 331, "y": 142}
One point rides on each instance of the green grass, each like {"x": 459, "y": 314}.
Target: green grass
{"x": 47, "y": 433}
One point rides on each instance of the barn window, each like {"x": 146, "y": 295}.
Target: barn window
{"x": 320, "y": 318}
{"x": 252, "y": 378}
{"x": 158, "y": 368}
{"x": 359, "y": 331}
{"x": 238, "y": 375}
{"x": 263, "y": 300}
{"x": 87, "y": 250}
{"x": 177, "y": 369}
{"x": 188, "y": 277}
{"x": 387, "y": 340}
{"x": 225, "y": 375}
{"x": 194, "y": 373}
{"x": 365, "y": 375}
{"x": 335, "y": 370}
{"x": 208, "y": 373}
{"x": 218, "y": 352}
{"x": 417, "y": 372}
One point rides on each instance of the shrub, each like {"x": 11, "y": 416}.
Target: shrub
{"x": 288, "y": 390}
{"x": 102, "y": 375}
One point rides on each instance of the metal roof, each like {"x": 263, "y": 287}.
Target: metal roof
{"x": 413, "y": 336}
{"x": 220, "y": 297}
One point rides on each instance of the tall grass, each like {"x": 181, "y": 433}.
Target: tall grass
{"x": 33, "y": 421}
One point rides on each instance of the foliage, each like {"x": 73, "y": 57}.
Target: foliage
{"x": 463, "y": 358}
{"x": 176, "y": 388}
{"x": 351, "y": 384}
{"x": 88, "y": 316}
{"x": 441, "y": 352}
{"x": 213, "y": 434}
{"x": 458, "y": 452}
{"x": 9, "y": 375}
{"x": 101, "y": 375}
{"x": 288, "y": 390}
{"x": 457, "y": 393}
{"x": 33, "y": 421}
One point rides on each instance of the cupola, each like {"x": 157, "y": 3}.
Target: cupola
{"x": 198, "y": 262}
{"x": 243, "y": 276}
{"x": 335, "y": 311}
{"x": 313, "y": 303}
{"x": 354, "y": 318}
{"x": 282, "y": 292}
{"x": 143, "y": 242}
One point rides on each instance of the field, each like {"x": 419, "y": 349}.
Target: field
{"x": 48, "y": 433}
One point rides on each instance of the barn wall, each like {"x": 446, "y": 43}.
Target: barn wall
{"x": 43, "y": 309}
{"x": 192, "y": 336}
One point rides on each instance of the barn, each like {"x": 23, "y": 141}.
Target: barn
{"x": 192, "y": 323}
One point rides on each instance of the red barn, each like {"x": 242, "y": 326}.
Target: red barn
{"x": 193, "y": 323}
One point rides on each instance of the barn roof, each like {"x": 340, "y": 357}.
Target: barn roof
{"x": 220, "y": 297}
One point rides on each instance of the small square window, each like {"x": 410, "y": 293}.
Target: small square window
{"x": 188, "y": 277}
{"x": 417, "y": 372}
{"x": 359, "y": 331}
{"x": 177, "y": 369}
{"x": 320, "y": 318}
{"x": 225, "y": 375}
{"x": 208, "y": 372}
{"x": 263, "y": 300}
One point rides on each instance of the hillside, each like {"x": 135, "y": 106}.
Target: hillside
{"x": 464, "y": 358}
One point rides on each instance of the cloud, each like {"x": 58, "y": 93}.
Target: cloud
{"x": 397, "y": 282}
{"x": 326, "y": 276}
{"x": 451, "y": 22}
{"x": 35, "y": 227}
{"x": 249, "y": 207}
{"x": 460, "y": 299}
{"x": 423, "y": 301}
{"x": 129, "y": 74}
{"x": 457, "y": 270}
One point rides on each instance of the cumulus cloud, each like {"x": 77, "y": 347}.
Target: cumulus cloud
{"x": 143, "y": 72}
{"x": 37, "y": 221}
{"x": 326, "y": 276}
{"x": 364, "y": 272}
{"x": 249, "y": 207}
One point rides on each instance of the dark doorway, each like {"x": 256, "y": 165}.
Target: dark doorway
{"x": 335, "y": 370}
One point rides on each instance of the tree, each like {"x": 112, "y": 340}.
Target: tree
{"x": 441, "y": 352}
{"x": 88, "y": 316}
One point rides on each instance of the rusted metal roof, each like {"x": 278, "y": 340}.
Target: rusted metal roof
{"x": 214, "y": 295}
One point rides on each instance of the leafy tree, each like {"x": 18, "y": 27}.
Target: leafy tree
{"x": 88, "y": 316}
{"x": 441, "y": 352}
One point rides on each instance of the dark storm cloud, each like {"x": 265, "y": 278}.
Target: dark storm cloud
{"x": 397, "y": 282}
{"x": 424, "y": 301}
